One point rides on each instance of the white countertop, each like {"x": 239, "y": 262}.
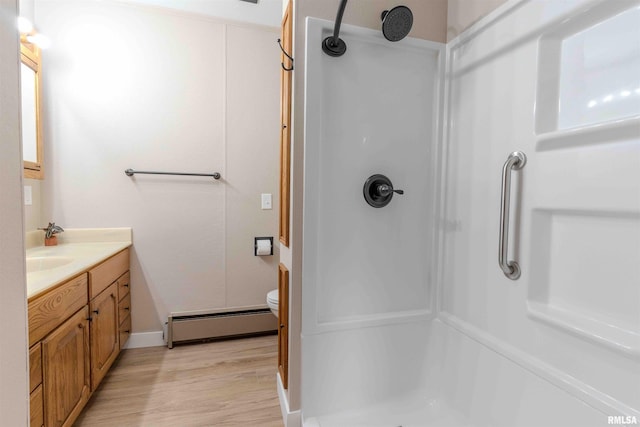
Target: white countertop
{"x": 84, "y": 254}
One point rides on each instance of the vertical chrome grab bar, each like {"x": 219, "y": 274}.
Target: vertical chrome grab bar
{"x": 516, "y": 161}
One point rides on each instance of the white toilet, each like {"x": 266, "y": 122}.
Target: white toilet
{"x": 272, "y": 301}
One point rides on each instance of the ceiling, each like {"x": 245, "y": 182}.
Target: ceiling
{"x": 265, "y": 12}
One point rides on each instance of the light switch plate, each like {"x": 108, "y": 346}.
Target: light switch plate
{"x": 28, "y": 196}
{"x": 266, "y": 201}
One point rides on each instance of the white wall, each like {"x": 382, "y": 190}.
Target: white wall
{"x": 152, "y": 89}
{"x": 14, "y": 393}
{"x": 265, "y": 12}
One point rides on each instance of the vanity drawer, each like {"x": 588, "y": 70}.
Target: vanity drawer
{"x": 35, "y": 366}
{"x": 48, "y": 311}
{"x": 124, "y": 308}
{"x": 108, "y": 272}
{"x": 125, "y": 331}
{"x": 36, "y": 408}
{"x": 124, "y": 285}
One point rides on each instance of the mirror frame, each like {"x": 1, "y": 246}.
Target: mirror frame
{"x": 30, "y": 56}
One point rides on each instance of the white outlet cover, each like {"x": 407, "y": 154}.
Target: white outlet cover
{"x": 266, "y": 201}
{"x": 28, "y": 196}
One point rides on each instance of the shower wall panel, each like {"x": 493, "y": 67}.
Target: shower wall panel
{"x": 372, "y": 111}
{"x": 558, "y": 81}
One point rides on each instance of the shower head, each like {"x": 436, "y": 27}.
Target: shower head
{"x": 396, "y": 23}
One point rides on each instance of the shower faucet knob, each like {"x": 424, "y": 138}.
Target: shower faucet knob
{"x": 385, "y": 190}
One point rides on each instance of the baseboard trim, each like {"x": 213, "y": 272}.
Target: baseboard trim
{"x": 290, "y": 419}
{"x": 145, "y": 339}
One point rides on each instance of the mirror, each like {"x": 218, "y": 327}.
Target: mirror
{"x": 31, "y": 126}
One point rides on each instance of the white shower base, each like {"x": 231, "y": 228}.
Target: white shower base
{"x": 419, "y": 409}
{"x": 472, "y": 382}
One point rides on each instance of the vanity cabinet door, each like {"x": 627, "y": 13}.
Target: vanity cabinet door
{"x": 104, "y": 333}
{"x": 66, "y": 373}
{"x": 35, "y": 366}
{"x": 36, "y": 410}
{"x": 283, "y": 321}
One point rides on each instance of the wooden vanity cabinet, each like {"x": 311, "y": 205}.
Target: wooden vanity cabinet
{"x": 103, "y": 328}
{"x": 36, "y": 404}
{"x": 124, "y": 308}
{"x": 104, "y": 287}
{"x": 35, "y": 366}
{"x": 48, "y": 311}
{"x": 283, "y": 320}
{"x": 56, "y": 348}
{"x": 36, "y": 408}
{"x": 66, "y": 370}
{"x": 75, "y": 333}
{"x": 103, "y": 275}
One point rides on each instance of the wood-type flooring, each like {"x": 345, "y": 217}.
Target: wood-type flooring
{"x": 222, "y": 383}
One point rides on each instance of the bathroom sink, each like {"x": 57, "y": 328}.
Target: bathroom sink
{"x": 46, "y": 263}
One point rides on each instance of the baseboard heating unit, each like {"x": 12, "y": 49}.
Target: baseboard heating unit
{"x": 183, "y": 327}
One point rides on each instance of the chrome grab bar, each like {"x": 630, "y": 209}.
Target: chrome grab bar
{"x": 516, "y": 161}
{"x": 131, "y": 172}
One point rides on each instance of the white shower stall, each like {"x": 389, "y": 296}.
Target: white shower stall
{"x": 408, "y": 318}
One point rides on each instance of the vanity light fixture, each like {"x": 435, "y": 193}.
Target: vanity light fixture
{"x": 28, "y": 33}
{"x": 24, "y": 25}
{"x": 40, "y": 40}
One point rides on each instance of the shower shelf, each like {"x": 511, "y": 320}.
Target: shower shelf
{"x": 598, "y": 330}
{"x": 599, "y": 133}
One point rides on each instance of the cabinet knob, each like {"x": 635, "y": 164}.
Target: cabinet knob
{"x": 126, "y": 308}
{"x": 127, "y": 331}
{"x": 96, "y": 311}
{"x": 126, "y": 285}
{"x": 282, "y": 326}
{"x": 89, "y": 318}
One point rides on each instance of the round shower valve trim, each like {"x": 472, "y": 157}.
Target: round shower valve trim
{"x": 378, "y": 191}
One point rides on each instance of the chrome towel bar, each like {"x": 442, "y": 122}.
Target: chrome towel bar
{"x": 516, "y": 161}
{"x": 131, "y": 172}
